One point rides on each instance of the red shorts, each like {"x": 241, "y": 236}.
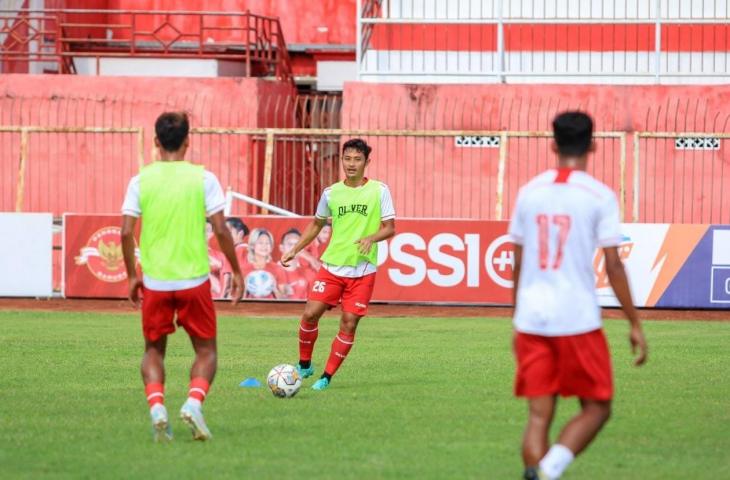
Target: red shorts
{"x": 354, "y": 293}
{"x": 572, "y": 365}
{"x": 194, "y": 307}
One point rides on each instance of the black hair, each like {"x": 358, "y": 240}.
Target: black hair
{"x": 172, "y": 129}
{"x": 238, "y": 225}
{"x": 290, "y": 232}
{"x": 359, "y": 145}
{"x": 573, "y": 133}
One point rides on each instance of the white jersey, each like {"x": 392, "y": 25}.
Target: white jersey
{"x": 560, "y": 217}
{"x": 387, "y": 212}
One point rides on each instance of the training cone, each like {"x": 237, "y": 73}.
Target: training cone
{"x": 250, "y": 382}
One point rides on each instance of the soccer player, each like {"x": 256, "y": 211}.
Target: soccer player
{"x": 560, "y": 217}
{"x": 239, "y": 232}
{"x": 260, "y": 271}
{"x": 174, "y": 197}
{"x": 295, "y": 279}
{"x": 362, "y": 215}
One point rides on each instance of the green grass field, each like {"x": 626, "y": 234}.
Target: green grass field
{"x": 417, "y": 398}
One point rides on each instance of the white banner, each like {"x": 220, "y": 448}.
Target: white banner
{"x": 26, "y": 254}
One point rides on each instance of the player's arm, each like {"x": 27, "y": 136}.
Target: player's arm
{"x": 620, "y": 284}
{"x": 309, "y": 234}
{"x": 225, "y": 241}
{"x": 516, "y": 272}
{"x": 386, "y": 231}
{"x": 130, "y": 261}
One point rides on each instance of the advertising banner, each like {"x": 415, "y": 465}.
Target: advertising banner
{"x": 429, "y": 260}
{"x": 26, "y": 255}
{"x": 93, "y": 263}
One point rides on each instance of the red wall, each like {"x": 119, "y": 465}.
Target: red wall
{"x": 434, "y": 178}
{"x": 300, "y": 19}
{"x": 88, "y": 172}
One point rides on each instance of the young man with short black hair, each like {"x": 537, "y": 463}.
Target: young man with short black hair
{"x": 362, "y": 215}
{"x": 560, "y": 218}
{"x": 174, "y": 198}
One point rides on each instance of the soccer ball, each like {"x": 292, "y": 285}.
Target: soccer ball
{"x": 284, "y": 381}
{"x": 260, "y": 283}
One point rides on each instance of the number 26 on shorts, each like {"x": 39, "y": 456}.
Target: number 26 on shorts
{"x": 543, "y": 225}
{"x": 319, "y": 286}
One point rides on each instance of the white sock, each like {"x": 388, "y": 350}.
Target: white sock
{"x": 556, "y": 460}
{"x": 194, "y": 402}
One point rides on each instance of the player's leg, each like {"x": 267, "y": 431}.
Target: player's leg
{"x": 583, "y": 428}
{"x": 341, "y": 346}
{"x": 576, "y": 436}
{"x": 308, "y": 334}
{"x": 535, "y": 441}
{"x": 197, "y": 315}
{"x": 324, "y": 293}
{"x": 585, "y": 373}
{"x": 157, "y": 323}
{"x": 355, "y": 300}
{"x": 536, "y": 378}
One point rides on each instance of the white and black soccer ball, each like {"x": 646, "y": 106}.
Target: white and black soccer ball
{"x": 260, "y": 283}
{"x": 284, "y": 381}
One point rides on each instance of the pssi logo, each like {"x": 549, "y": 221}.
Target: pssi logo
{"x": 103, "y": 255}
{"x": 447, "y": 260}
{"x": 599, "y": 261}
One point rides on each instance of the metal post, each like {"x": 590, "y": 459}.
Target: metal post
{"x": 637, "y": 170}
{"x": 658, "y": 41}
{"x": 358, "y": 40}
{"x": 268, "y": 166}
{"x": 500, "y": 42}
{"x": 622, "y": 180}
{"x": 140, "y": 148}
{"x": 21, "y": 170}
{"x": 501, "y": 169}
{"x": 248, "y": 44}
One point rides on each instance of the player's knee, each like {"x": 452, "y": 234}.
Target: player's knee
{"x": 310, "y": 316}
{"x": 348, "y": 324}
{"x": 600, "y": 411}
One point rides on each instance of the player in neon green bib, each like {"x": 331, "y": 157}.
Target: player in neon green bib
{"x": 174, "y": 197}
{"x": 362, "y": 215}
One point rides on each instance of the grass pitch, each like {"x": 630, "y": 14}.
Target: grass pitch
{"x": 417, "y": 398}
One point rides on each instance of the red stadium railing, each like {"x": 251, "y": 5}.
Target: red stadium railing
{"x": 52, "y": 39}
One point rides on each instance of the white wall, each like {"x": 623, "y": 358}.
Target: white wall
{"x": 159, "y": 67}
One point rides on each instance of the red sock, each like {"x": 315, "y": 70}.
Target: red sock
{"x": 198, "y": 388}
{"x": 308, "y": 333}
{"x": 341, "y": 345}
{"x": 155, "y": 393}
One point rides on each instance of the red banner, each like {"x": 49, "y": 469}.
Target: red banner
{"x": 461, "y": 261}
{"x": 458, "y": 261}
{"x": 93, "y": 263}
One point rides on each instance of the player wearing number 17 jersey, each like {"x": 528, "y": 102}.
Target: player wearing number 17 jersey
{"x": 560, "y": 218}
{"x": 362, "y": 215}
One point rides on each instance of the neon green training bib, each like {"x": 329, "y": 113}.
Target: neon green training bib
{"x": 173, "y": 243}
{"x": 355, "y": 214}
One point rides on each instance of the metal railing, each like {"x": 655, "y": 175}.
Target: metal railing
{"x": 672, "y": 177}
{"x": 61, "y": 37}
{"x": 578, "y": 41}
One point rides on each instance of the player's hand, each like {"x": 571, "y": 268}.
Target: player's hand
{"x": 365, "y": 245}
{"x": 135, "y": 286}
{"x": 236, "y": 288}
{"x": 287, "y": 257}
{"x": 638, "y": 345}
